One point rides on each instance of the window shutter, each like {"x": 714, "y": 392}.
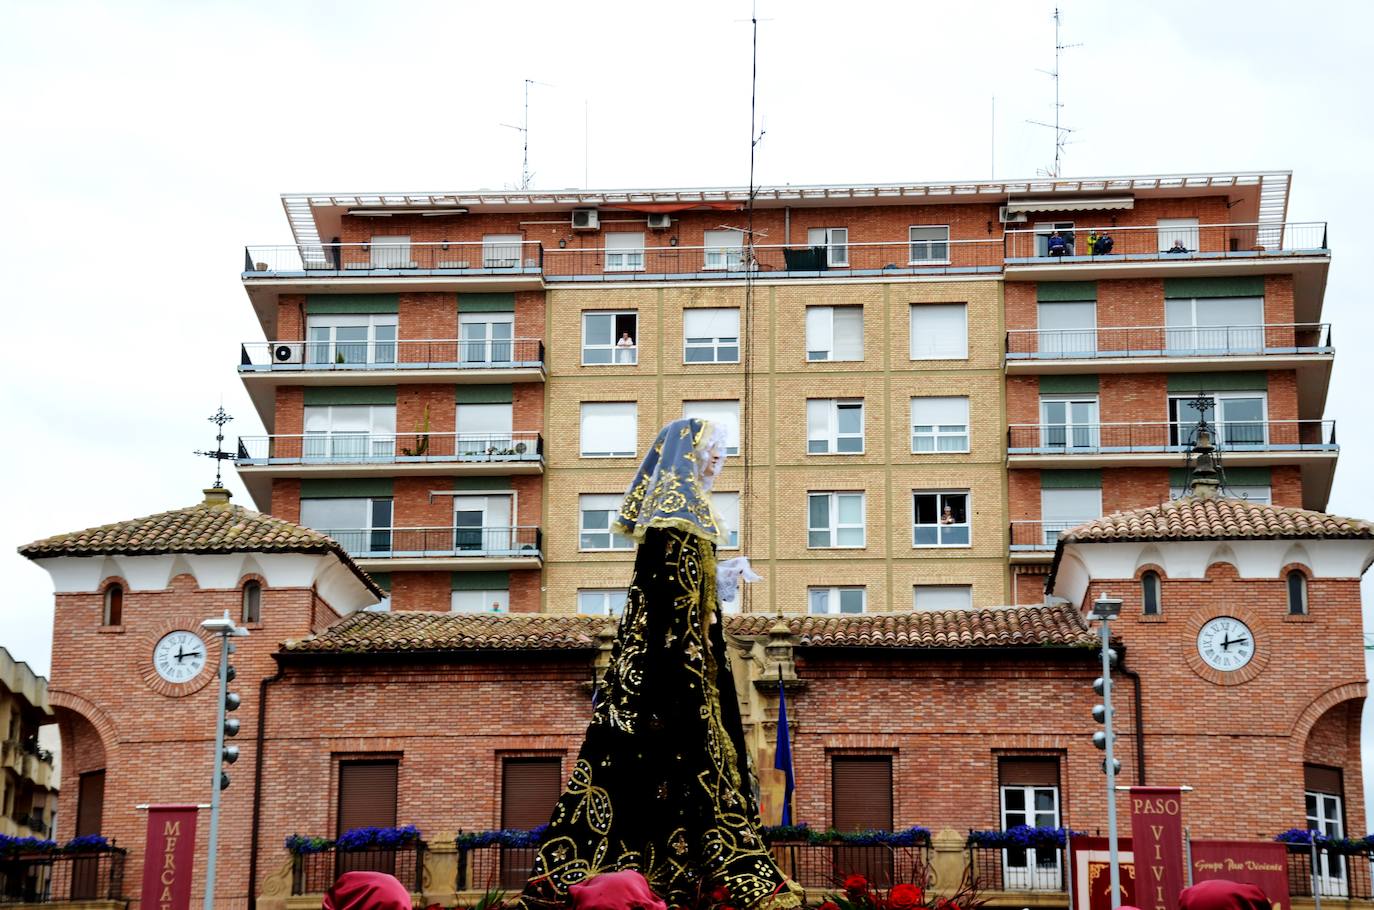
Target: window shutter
{"x": 939, "y": 330}
{"x": 1316, "y": 778}
{"x": 819, "y": 328}
{"x": 861, "y": 793}
{"x": 849, "y": 333}
{"x": 367, "y": 794}
{"x": 1028, "y": 772}
{"x": 529, "y": 789}
{"x": 90, "y": 803}
{"x": 939, "y": 411}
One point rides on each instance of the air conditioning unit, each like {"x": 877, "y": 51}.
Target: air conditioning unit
{"x": 1010, "y": 217}
{"x": 284, "y": 352}
{"x": 585, "y": 220}
{"x": 660, "y": 221}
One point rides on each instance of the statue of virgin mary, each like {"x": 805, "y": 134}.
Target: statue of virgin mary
{"x": 661, "y": 784}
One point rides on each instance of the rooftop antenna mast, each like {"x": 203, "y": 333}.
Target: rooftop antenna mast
{"x": 524, "y": 131}
{"x": 1061, "y": 132}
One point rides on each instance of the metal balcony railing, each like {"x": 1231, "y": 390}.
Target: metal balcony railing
{"x": 1167, "y": 242}
{"x": 315, "y": 873}
{"x": 47, "y": 878}
{"x": 1030, "y": 536}
{"x": 1338, "y": 873}
{"x": 1016, "y": 868}
{"x": 322, "y": 260}
{"x": 422, "y": 354}
{"x": 389, "y": 448}
{"x": 393, "y": 543}
{"x": 1169, "y": 341}
{"x": 1166, "y": 436}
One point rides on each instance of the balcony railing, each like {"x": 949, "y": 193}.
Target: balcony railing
{"x": 1169, "y": 341}
{"x": 1166, "y": 436}
{"x": 324, "y": 260}
{"x": 424, "y": 354}
{"x": 1165, "y": 242}
{"x": 315, "y": 873}
{"x": 389, "y": 448}
{"x": 1030, "y": 536}
{"x": 1016, "y": 868}
{"x": 46, "y": 878}
{"x": 409, "y": 543}
{"x": 1339, "y": 874}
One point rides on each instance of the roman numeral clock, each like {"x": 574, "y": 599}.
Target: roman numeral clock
{"x": 1223, "y": 647}
{"x": 174, "y": 660}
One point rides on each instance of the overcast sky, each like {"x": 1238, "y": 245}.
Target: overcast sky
{"x": 142, "y": 144}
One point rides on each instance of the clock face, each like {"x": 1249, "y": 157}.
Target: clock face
{"x": 1225, "y": 644}
{"x": 179, "y": 656}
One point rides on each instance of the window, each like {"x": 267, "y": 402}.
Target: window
{"x": 724, "y": 250}
{"x": 835, "y": 241}
{"x": 113, "y": 612}
{"x": 1297, "y": 593}
{"x": 1044, "y": 230}
{"x": 727, "y": 504}
{"x": 252, "y": 601}
{"x": 1067, "y": 329}
{"x": 351, "y": 340}
{"x": 1259, "y": 493}
{"x": 929, "y": 244}
{"x": 348, "y": 433}
{"x": 836, "y": 600}
{"x": 367, "y": 794}
{"x": 1149, "y": 593}
{"x": 609, "y": 429}
{"x": 1227, "y": 325}
{"x": 598, "y": 510}
{"x": 486, "y": 338}
{"x": 1030, "y": 796}
{"x": 483, "y": 524}
{"x": 483, "y": 428}
{"x": 834, "y": 426}
{"x": 710, "y": 335}
{"x": 625, "y": 251}
{"x": 1238, "y": 419}
{"x": 941, "y": 519}
{"x": 601, "y": 601}
{"x": 1324, "y": 795}
{"x": 361, "y": 526}
{"x": 861, "y": 800}
{"x": 943, "y": 597}
{"x": 490, "y": 600}
{"x": 1069, "y": 423}
{"x": 530, "y": 788}
{"x": 501, "y": 251}
{"x": 390, "y": 252}
{"x": 1064, "y": 509}
{"x": 939, "y": 331}
{"x": 90, "y": 803}
{"x": 834, "y": 333}
{"x": 723, "y": 413}
{"x": 835, "y": 520}
{"x": 1177, "y": 232}
{"x": 610, "y": 338}
{"x": 939, "y": 424}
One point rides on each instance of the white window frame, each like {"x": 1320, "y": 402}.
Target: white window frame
{"x": 486, "y": 597}
{"x": 1331, "y": 875}
{"x": 493, "y": 537}
{"x": 496, "y": 343}
{"x": 612, "y": 601}
{"x": 1044, "y": 229}
{"x": 1227, "y": 338}
{"x": 627, "y": 255}
{"x": 833, "y": 598}
{"x": 835, "y": 526}
{"x": 1069, "y": 341}
{"x": 609, "y": 505}
{"x": 1076, "y": 435}
{"x": 336, "y": 444}
{"x": 820, "y": 321}
{"x": 378, "y": 347}
{"x": 954, "y": 353}
{"x": 727, "y": 505}
{"x": 836, "y": 243}
{"x": 1179, "y": 430}
{"x": 729, "y": 419}
{"x": 500, "y": 439}
{"x": 830, "y": 408}
{"x": 917, "y": 590}
{"x": 720, "y": 256}
{"x": 966, "y": 524}
{"x": 929, "y": 246}
{"x": 1186, "y": 229}
{"x": 1028, "y": 877}
{"x": 939, "y": 432}
{"x": 389, "y": 251}
{"x": 497, "y": 250}
{"x": 609, "y": 453}
{"x": 618, "y": 356}
{"x": 714, "y": 343}
{"x": 1051, "y": 522}
{"x": 366, "y": 529}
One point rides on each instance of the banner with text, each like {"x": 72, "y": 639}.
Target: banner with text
{"x": 1260, "y": 863}
{"x": 1157, "y": 833}
{"x": 168, "y": 856}
{"x": 1090, "y": 873}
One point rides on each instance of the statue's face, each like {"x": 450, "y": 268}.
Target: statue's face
{"x": 715, "y": 461}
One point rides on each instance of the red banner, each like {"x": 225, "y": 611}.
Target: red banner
{"x": 1090, "y": 873}
{"x": 168, "y": 857}
{"x": 1157, "y": 833}
{"x": 1260, "y": 863}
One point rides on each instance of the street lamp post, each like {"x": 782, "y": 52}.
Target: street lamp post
{"x": 1104, "y": 610}
{"x": 227, "y": 701}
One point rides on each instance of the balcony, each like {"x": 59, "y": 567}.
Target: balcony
{"x": 1034, "y": 541}
{"x": 95, "y": 879}
{"x": 1035, "y": 869}
{"x": 355, "y": 262}
{"x": 398, "y": 549}
{"x": 1136, "y": 349}
{"x": 315, "y": 873}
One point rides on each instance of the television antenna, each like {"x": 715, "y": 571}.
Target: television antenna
{"x": 1061, "y": 132}
{"x": 524, "y": 131}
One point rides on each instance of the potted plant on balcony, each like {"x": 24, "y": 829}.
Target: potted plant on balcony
{"x": 421, "y": 438}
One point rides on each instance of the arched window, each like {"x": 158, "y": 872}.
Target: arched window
{"x": 114, "y": 606}
{"x": 1149, "y": 590}
{"x": 252, "y": 601}
{"x": 1297, "y": 593}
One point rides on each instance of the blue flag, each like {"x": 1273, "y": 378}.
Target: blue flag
{"x": 782, "y": 756}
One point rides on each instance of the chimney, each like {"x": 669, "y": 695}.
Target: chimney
{"x": 217, "y": 497}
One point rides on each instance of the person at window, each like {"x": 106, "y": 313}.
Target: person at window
{"x": 662, "y": 782}
{"x": 1102, "y": 246}
{"x": 947, "y": 516}
{"x": 625, "y": 348}
{"x": 1092, "y": 242}
{"x": 1178, "y": 247}
{"x": 367, "y": 891}
{"x": 1058, "y": 246}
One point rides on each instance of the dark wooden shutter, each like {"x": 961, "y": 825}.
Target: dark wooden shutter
{"x": 860, "y": 800}
{"x": 367, "y": 794}
{"x": 529, "y": 789}
{"x": 90, "y": 803}
{"x": 1028, "y": 772}
{"x": 1321, "y": 779}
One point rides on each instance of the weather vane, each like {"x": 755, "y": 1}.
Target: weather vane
{"x": 219, "y": 419}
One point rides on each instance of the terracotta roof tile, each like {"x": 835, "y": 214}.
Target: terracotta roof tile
{"x": 1191, "y": 518}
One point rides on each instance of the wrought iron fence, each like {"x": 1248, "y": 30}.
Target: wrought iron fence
{"x": 1338, "y": 874}
{"x": 45, "y": 878}
{"x": 421, "y": 354}
{"x": 494, "y": 867}
{"x": 1016, "y": 868}
{"x": 827, "y": 865}
{"x": 1169, "y": 341}
{"x": 389, "y": 448}
{"x": 1170, "y": 436}
{"x": 384, "y": 543}
{"x": 1164, "y": 241}
{"x": 444, "y": 257}
{"x": 314, "y": 873}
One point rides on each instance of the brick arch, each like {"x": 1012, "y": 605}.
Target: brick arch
{"x": 1319, "y": 706}
{"x": 94, "y": 715}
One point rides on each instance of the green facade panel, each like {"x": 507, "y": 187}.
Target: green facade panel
{"x": 483, "y": 394}
{"x": 1248, "y": 286}
{"x": 1239, "y": 381}
{"x": 481, "y": 581}
{"x": 486, "y": 303}
{"x": 1240, "y": 477}
{"x": 1080, "y": 479}
{"x": 368, "y": 394}
{"x": 480, "y": 484}
{"x": 1065, "y": 291}
{"x": 334, "y": 304}
{"x": 383, "y": 580}
{"x": 1069, "y": 385}
{"x": 346, "y": 487}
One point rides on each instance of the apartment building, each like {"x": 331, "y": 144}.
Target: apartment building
{"x": 925, "y": 383}
{"x": 28, "y": 787}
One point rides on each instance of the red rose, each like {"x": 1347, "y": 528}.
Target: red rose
{"x": 829, "y": 905}
{"x": 856, "y": 883}
{"x": 720, "y": 894}
{"x": 905, "y": 897}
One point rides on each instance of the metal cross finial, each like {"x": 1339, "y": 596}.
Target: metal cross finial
{"x": 219, "y": 419}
